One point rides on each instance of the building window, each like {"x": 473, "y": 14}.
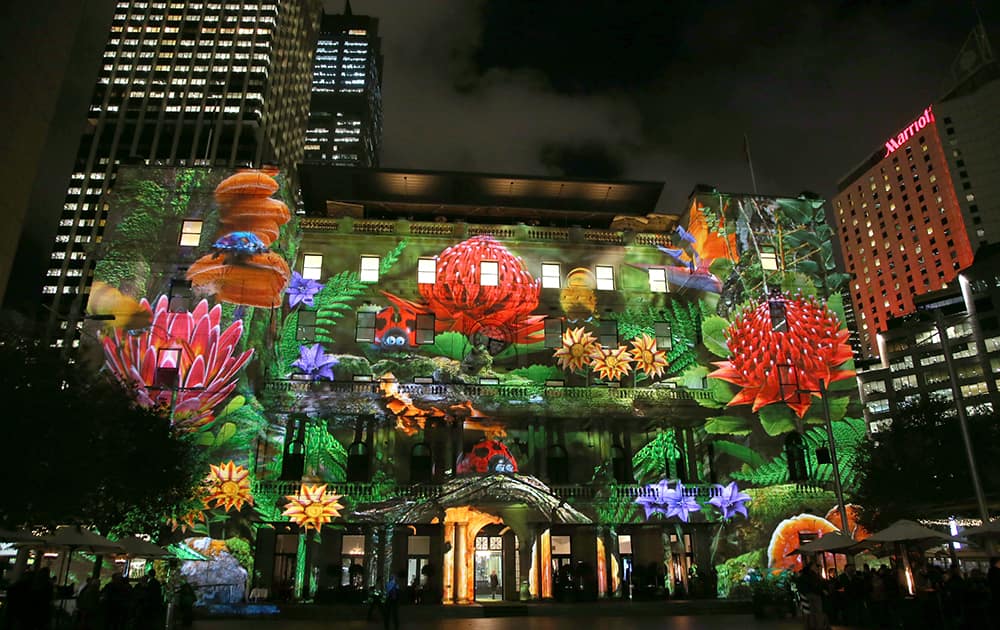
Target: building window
{"x": 369, "y": 268}
{"x": 190, "y": 233}
{"x": 489, "y": 273}
{"x": 664, "y": 339}
{"x": 605, "y": 278}
{"x": 312, "y": 266}
{"x": 365, "y": 331}
{"x": 551, "y": 275}
{"x": 608, "y": 333}
{"x": 426, "y": 271}
{"x": 306, "y": 330}
{"x": 425, "y": 329}
{"x": 658, "y": 280}
{"x": 553, "y": 332}
{"x": 180, "y": 298}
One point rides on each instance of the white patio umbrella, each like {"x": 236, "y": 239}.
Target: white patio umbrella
{"x": 834, "y": 542}
{"x": 910, "y": 532}
{"x": 986, "y": 529}
{"x": 139, "y": 548}
{"x": 75, "y": 538}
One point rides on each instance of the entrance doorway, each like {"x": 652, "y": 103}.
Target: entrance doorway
{"x": 489, "y": 566}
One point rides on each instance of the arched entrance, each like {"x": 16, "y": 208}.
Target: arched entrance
{"x": 488, "y": 573}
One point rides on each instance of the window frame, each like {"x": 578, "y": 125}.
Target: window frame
{"x": 367, "y": 274}
{"x": 483, "y": 275}
{"x": 358, "y": 327}
{"x": 609, "y": 282}
{"x": 312, "y": 271}
{"x": 655, "y": 283}
{"x": 425, "y": 325}
{"x": 186, "y": 232}
{"x": 422, "y": 274}
{"x": 551, "y": 338}
{"x": 548, "y": 280}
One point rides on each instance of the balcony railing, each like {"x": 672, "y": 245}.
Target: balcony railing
{"x": 464, "y": 230}
{"x": 374, "y": 492}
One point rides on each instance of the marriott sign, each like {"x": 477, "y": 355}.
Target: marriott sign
{"x": 926, "y": 118}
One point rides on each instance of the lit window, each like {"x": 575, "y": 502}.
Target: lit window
{"x": 365, "y": 331}
{"x": 551, "y": 275}
{"x": 426, "y": 271}
{"x": 425, "y": 329}
{"x": 608, "y": 333}
{"x": 190, "y": 233}
{"x": 312, "y": 266}
{"x": 553, "y": 332}
{"x": 489, "y": 273}
{"x": 369, "y": 268}
{"x": 605, "y": 278}
{"x": 658, "y": 280}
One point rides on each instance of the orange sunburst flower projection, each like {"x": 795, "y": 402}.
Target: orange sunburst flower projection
{"x": 228, "y": 486}
{"x": 648, "y": 357}
{"x": 611, "y": 363}
{"x": 577, "y": 346}
{"x": 312, "y": 507}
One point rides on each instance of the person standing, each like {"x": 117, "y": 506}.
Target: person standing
{"x": 494, "y": 583}
{"x": 390, "y": 605}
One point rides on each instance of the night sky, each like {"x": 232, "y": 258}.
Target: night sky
{"x": 660, "y": 90}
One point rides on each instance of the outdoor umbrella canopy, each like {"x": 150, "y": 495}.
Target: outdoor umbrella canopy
{"x": 834, "y": 542}
{"x": 909, "y": 532}
{"x": 139, "y": 548}
{"x": 18, "y": 537}
{"x": 77, "y": 538}
{"x": 986, "y": 529}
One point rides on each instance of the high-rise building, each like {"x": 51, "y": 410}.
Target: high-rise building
{"x": 184, "y": 83}
{"x": 345, "y": 119}
{"x": 911, "y": 216}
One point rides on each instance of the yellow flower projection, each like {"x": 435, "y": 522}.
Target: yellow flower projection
{"x": 577, "y": 346}
{"x": 228, "y": 486}
{"x": 647, "y": 357}
{"x": 611, "y": 363}
{"x": 313, "y": 507}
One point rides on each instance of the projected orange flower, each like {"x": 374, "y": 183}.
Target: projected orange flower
{"x": 577, "y": 346}
{"x": 229, "y": 486}
{"x": 611, "y": 363}
{"x": 812, "y": 348}
{"x": 648, "y": 357}
{"x": 312, "y": 507}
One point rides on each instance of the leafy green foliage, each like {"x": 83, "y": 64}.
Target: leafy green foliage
{"x": 652, "y": 462}
{"x": 685, "y": 328}
{"x": 453, "y": 345}
{"x": 727, "y": 425}
{"x": 242, "y": 550}
{"x": 537, "y": 373}
{"x": 848, "y": 435}
{"x": 777, "y": 418}
{"x": 287, "y": 347}
{"x": 334, "y": 300}
{"x": 740, "y": 452}
{"x": 326, "y": 457}
{"x": 714, "y": 335}
{"x": 390, "y": 259}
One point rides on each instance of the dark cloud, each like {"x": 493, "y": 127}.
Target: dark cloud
{"x": 660, "y": 90}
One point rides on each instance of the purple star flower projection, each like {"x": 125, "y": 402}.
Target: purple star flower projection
{"x": 663, "y": 499}
{"x": 730, "y": 501}
{"x": 302, "y": 291}
{"x": 316, "y": 363}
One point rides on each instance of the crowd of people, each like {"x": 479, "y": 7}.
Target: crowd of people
{"x": 877, "y": 597}
{"x": 32, "y": 603}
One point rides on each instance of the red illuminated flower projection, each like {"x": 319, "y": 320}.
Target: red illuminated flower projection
{"x": 611, "y": 363}
{"x": 460, "y": 302}
{"x": 193, "y": 342}
{"x": 781, "y": 366}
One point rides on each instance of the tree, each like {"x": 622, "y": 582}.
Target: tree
{"x": 918, "y": 467}
{"x": 77, "y": 450}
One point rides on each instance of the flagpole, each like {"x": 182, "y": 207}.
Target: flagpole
{"x": 746, "y": 148}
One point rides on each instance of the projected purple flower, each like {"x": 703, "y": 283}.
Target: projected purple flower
{"x": 730, "y": 501}
{"x": 663, "y": 499}
{"x": 302, "y": 291}
{"x": 314, "y": 362}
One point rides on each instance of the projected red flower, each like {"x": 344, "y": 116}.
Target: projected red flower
{"x": 784, "y": 366}
{"x": 461, "y": 302}
{"x": 193, "y": 342}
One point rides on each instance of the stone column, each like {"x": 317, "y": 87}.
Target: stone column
{"x": 524, "y": 556}
{"x": 448, "y": 563}
{"x": 461, "y": 568}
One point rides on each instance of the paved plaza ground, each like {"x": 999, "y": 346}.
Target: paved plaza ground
{"x": 700, "y": 622}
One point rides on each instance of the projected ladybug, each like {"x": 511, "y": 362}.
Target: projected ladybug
{"x": 488, "y": 456}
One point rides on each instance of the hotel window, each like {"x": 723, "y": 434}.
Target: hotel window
{"x": 551, "y": 275}
{"x": 658, "y": 280}
{"x": 369, "y": 268}
{"x": 605, "y": 278}
{"x": 489, "y": 273}
{"x": 180, "y": 298}
{"x": 553, "y": 332}
{"x": 312, "y": 266}
{"x": 190, "y": 233}
{"x": 365, "y": 331}
{"x": 608, "y": 333}
{"x": 426, "y": 271}
{"x": 664, "y": 339}
{"x": 306, "y": 330}
{"x": 425, "y": 329}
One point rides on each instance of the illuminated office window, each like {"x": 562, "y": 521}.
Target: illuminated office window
{"x": 605, "y": 278}
{"x": 312, "y": 266}
{"x": 658, "y": 280}
{"x": 369, "y": 268}
{"x": 551, "y": 275}
{"x": 426, "y": 271}
{"x": 190, "y": 233}
{"x": 489, "y": 273}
